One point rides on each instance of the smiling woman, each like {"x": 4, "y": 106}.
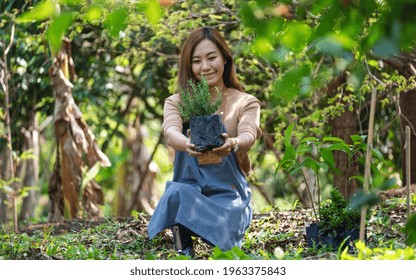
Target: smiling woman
{"x": 211, "y": 201}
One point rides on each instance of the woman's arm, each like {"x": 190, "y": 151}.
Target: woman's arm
{"x": 180, "y": 142}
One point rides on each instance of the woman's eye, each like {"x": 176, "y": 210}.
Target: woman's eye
{"x": 195, "y": 61}
{"x": 212, "y": 58}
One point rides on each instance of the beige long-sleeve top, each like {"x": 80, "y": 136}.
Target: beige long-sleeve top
{"x": 240, "y": 113}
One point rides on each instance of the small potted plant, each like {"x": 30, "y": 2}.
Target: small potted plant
{"x": 198, "y": 108}
{"x": 338, "y": 224}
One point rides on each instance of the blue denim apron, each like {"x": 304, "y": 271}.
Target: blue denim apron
{"x": 211, "y": 200}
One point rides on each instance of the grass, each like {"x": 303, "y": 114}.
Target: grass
{"x": 273, "y": 234}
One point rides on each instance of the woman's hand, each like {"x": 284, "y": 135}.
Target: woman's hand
{"x": 190, "y": 148}
{"x": 226, "y": 148}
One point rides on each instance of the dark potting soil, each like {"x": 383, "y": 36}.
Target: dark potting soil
{"x": 206, "y": 132}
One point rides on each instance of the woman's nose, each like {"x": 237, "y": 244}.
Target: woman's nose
{"x": 205, "y": 64}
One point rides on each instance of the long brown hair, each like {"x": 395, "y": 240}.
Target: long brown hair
{"x": 185, "y": 67}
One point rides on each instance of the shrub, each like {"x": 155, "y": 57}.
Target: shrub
{"x": 336, "y": 216}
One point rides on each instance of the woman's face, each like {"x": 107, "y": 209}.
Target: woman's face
{"x": 208, "y": 61}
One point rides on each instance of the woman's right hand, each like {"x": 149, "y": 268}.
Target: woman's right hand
{"x": 190, "y": 148}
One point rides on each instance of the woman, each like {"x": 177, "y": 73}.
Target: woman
{"x": 211, "y": 201}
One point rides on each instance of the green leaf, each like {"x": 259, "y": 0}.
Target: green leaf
{"x": 116, "y": 21}
{"x": 358, "y": 138}
{"x": 385, "y": 184}
{"x": 303, "y": 149}
{"x": 57, "y": 30}
{"x": 290, "y": 84}
{"x": 377, "y": 154}
{"x": 358, "y": 178}
{"x": 289, "y": 158}
{"x": 309, "y": 140}
{"x": 153, "y": 11}
{"x": 234, "y": 254}
{"x": 94, "y": 13}
{"x": 89, "y": 175}
{"x": 361, "y": 199}
{"x": 295, "y": 36}
{"x": 332, "y": 139}
{"x": 330, "y": 46}
{"x": 327, "y": 156}
{"x": 42, "y": 11}
{"x": 310, "y": 163}
{"x": 410, "y": 230}
{"x": 324, "y": 167}
{"x": 289, "y": 154}
{"x": 262, "y": 45}
{"x": 346, "y": 41}
{"x": 296, "y": 169}
{"x": 288, "y": 134}
{"x": 339, "y": 147}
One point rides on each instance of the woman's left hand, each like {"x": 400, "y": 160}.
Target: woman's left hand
{"x": 226, "y": 148}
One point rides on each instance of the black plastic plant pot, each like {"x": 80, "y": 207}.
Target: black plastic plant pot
{"x": 315, "y": 239}
{"x": 206, "y": 132}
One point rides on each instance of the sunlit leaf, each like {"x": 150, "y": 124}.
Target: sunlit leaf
{"x": 90, "y": 174}
{"x": 262, "y": 45}
{"x": 309, "y": 139}
{"x": 94, "y": 13}
{"x": 43, "y": 10}
{"x": 153, "y": 11}
{"x": 295, "y": 36}
{"x": 116, "y": 21}
{"x": 57, "y": 29}
{"x": 332, "y": 139}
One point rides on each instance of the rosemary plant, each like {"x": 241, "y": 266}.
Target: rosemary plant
{"x": 197, "y": 100}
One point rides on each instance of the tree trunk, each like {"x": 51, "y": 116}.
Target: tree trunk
{"x": 31, "y": 170}
{"x": 55, "y": 192}
{"x": 7, "y": 171}
{"x": 405, "y": 64}
{"x": 343, "y": 126}
{"x": 74, "y": 141}
{"x": 4, "y": 199}
{"x": 408, "y": 118}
